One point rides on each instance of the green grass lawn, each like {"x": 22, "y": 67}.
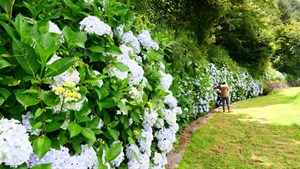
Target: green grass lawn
{"x": 262, "y": 132}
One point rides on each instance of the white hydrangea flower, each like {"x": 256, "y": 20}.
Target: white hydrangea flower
{"x": 166, "y": 137}
{"x": 139, "y": 59}
{"x": 15, "y": 147}
{"x": 170, "y": 116}
{"x": 26, "y": 123}
{"x": 178, "y": 110}
{"x": 62, "y": 159}
{"x": 146, "y": 141}
{"x": 69, "y": 75}
{"x": 120, "y": 31}
{"x": 118, "y": 73}
{"x": 101, "y": 124}
{"x": 150, "y": 117}
{"x": 88, "y": 157}
{"x": 171, "y": 101}
{"x": 159, "y": 123}
{"x": 93, "y": 24}
{"x": 128, "y": 37}
{"x": 144, "y": 160}
{"x": 132, "y": 161}
{"x": 55, "y": 29}
{"x": 58, "y": 158}
{"x": 136, "y": 95}
{"x": 146, "y": 40}
{"x": 137, "y": 72}
{"x": 166, "y": 80}
{"x": 157, "y": 158}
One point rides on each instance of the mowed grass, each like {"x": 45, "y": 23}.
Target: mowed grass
{"x": 262, "y": 132}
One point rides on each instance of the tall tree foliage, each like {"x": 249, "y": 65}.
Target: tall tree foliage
{"x": 287, "y": 58}
{"x": 245, "y": 32}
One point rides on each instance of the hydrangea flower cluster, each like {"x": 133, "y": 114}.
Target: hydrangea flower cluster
{"x": 129, "y": 38}
{"x": 15, "y": 147}
{"x": 137, "y": 72}
{"x": 93, "y": 25}
{"x": 146, "y": 40}
{"x": 62, "y": 159}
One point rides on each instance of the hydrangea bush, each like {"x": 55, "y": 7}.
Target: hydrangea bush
{"x": 199, "y": 92}
{"x": 83, "y": 84}
{"x": 88, "y": 85}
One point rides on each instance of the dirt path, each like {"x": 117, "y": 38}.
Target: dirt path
{"x": 176, "y": 155}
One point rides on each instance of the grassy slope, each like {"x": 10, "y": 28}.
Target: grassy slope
{"x": 262, "y": 132}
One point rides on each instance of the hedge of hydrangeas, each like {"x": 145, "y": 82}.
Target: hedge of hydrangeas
{"x": 199, "y": 92}
{"x": 84, "y": 85}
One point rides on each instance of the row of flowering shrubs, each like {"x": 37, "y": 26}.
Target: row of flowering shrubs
{"x": 84, "y": 85}
{"x": 198, "y": 93}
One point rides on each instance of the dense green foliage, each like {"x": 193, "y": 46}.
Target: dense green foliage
{"x": 255, "y": 34}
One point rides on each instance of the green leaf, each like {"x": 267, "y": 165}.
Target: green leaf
{"x": 4, "y": 63}
{"x": 96, "y": 49}
{"x": 38, "y": 112}
{"x": 74, "y": 38}
{"x": 26, "y": 57}
{"x": 114, "y": 49}
{"x": 114, "y": 133}
{"x": 113, "y": 151}
{"x": 22, "y": 166}
{"x": 60, "y": 66}
{"x": 154, "y": 55}
{"x": 5, "y": 93}
{"x": 41, "y": 146}
{"x": 43, "y": 166}
{"x": 46, "y": 46}
{"x": 121, "y": 66}
{"x": 37, "y": 125}
{"x": 21, "y": 25}
{"x": 89, "y": 134}
{"x": 50, "y": 98}
{"x": 76, "y": 144}
{"x": 6, "y": 5}
{"x": 53, "y": 126}
{"x": 70, "y": 4}
{"x": 10, "y": 31}
{"x": 26, "y": 98}
{"x": 1, "y": 100}
{"x": 74, "y": 129}
{"x": 107, "y": 103}
{"x": 130, "y": 17}
{"x": 80, "y": 39}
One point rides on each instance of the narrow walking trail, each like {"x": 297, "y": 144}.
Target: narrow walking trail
{"x": 176, "y": 155}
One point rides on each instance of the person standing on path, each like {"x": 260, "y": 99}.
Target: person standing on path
{"x": 225, "y": 96}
